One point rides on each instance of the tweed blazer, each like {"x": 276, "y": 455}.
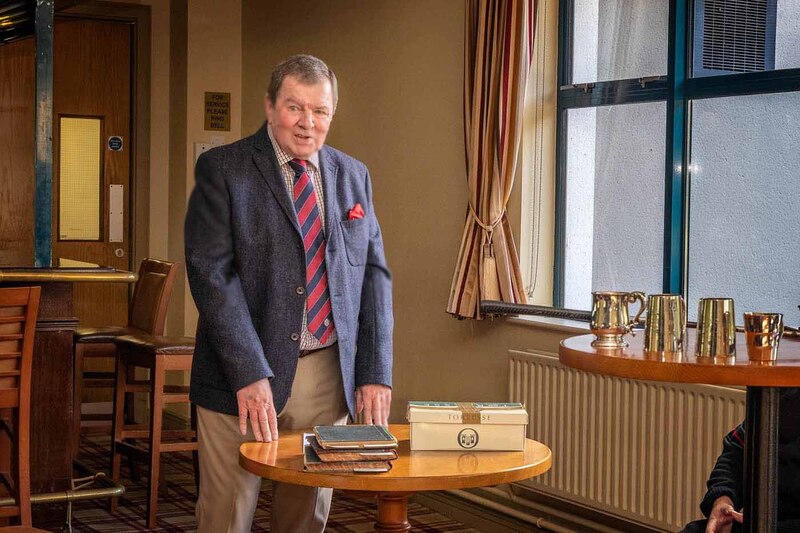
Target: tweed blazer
{"x": 245, "y": 264}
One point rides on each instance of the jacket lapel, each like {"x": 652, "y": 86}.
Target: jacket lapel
{"x": 267, "y": 163}
{"x": 330, "y": 173}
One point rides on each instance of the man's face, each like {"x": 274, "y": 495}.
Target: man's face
{"x": 301, "y": 116}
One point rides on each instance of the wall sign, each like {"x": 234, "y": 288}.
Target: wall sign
{"x": 115, "y": 143}
{"x": 218, "y": 111}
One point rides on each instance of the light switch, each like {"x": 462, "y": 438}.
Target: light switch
{"x": 199, "y": 148}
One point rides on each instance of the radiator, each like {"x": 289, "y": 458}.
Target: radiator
{"x": 638, "y": 450}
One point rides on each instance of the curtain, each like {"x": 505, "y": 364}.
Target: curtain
{"x": 497, "y": 60}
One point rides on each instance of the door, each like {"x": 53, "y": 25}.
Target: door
{"x": 92, "y": 159}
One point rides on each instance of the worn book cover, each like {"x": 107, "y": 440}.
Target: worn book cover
{"x": 313, "y": 463}
{"x": 355, "y": 436}
{"x": 334, "y": 455}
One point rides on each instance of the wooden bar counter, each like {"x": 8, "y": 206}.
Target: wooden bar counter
{"x": 52, "y": 379}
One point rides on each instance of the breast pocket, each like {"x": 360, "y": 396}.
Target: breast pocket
{"x": 356, "y": 240}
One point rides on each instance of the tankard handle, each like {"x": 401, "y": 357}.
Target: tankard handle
{"x": 631, "y": 298}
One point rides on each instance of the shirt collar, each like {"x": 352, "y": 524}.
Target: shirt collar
{"x": 283, "y": 157}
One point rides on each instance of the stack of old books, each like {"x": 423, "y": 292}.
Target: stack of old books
{"x": 356, "y": 448}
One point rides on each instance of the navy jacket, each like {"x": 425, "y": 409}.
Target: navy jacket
{"x": 726, "y": 478}
{"x": 245, "y": 262}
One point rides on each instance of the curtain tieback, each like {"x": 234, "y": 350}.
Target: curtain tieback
{"x": 488, "y": 229}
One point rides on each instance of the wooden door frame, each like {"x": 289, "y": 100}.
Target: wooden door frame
{"x": 139, "y": 17}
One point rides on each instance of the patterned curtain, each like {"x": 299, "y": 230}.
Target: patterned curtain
{"x": 497, "y": 60}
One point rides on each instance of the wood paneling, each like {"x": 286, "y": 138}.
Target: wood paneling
{"x": 17, "y": 82}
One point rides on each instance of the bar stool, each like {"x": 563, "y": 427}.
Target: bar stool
{"x": 160, "y": 355}
{"x": 147, "y": 314}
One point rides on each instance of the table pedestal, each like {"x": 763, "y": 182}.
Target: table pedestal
{"x": 761, "y": 459}
{"x": 393, "y": 512}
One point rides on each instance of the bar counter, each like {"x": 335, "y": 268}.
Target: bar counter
{"x": 52, "y": 379}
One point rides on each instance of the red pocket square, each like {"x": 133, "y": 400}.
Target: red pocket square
{"x": 356, "y": 213}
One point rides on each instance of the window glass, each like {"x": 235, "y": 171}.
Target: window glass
{"x": 619, "y": 39}
{"x": 737, "y": 36}
{"x": 614, "y": 201}
{"x": 744, "y": 223}
{"x": 79, "y": 179}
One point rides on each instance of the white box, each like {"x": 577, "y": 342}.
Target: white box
{"x": 467, "y": 426}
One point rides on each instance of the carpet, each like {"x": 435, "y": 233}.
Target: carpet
{"x": 176, "y": 506}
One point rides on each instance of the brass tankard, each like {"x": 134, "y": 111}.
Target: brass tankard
{"x": 716, "y": 328}
{"x": 665, "y": 324}
{"x": 610, "y": 317}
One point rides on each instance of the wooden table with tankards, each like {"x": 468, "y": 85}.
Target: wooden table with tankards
{"x": 411, "y": 472}
{"x": 763, "y": 380}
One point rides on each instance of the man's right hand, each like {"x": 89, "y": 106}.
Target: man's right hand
{"x": 255, "y": 403}
{"x": 722, "y": 516}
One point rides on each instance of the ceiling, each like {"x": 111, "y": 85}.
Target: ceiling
{"x": 17, "y": 17}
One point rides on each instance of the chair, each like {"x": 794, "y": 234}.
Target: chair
{"x": 147, "y": 314}
{"x": 19, "y": 307}
{"x": 160, "y": 355}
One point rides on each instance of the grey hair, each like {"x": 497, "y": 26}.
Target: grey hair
{"x": 307, "y": 69}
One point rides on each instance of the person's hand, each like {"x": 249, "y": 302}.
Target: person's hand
{"x": 374, "y": 401}
{"x": 722, "y": 516}
{"x": 255, "y": 403}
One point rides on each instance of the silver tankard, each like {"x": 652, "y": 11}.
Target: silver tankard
{"x": 610, "y": 317}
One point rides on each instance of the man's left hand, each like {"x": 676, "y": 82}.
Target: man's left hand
{"x": 375, "y": 401}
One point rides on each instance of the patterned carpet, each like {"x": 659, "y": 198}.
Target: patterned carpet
{"x": 176, "y": 507}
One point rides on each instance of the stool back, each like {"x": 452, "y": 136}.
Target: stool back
{"x": 148, "y": 310}
{"x": 19, "y": 307}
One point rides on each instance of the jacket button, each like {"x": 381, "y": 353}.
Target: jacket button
{"x": 295, "y": 336}
{"x": 300, "y": 290}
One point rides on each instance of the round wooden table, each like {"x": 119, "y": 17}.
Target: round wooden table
{"x": 762, "y": 379}
{"x": 411, "y": 472}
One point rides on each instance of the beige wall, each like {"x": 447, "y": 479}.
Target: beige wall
{"x": 214, "y": 64}
{"x": 195, "y": 48}
{"x": 400, "y": 69}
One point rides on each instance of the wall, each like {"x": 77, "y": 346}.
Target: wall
{"x": 400, "y": 70}
{"x": 195, "y": 48}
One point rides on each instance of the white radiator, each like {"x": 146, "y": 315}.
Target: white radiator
{"x": 640, "y": 450}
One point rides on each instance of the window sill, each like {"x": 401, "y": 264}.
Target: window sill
{"x": 561, "y": 325}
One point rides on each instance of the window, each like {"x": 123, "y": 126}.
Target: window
{"x": 733, "y": 36}
{"x": 677, "y": 166}
{"x": 79, "y": 179}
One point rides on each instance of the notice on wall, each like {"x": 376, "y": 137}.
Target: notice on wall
{"x": 218, "y": 112}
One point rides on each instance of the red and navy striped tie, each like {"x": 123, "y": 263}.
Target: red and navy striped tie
{"x": 318, "y": 300}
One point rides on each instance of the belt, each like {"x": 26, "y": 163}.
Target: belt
{"x": 304, "y": 353}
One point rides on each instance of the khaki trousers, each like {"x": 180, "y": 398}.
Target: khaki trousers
{"x": 229, "y": 494}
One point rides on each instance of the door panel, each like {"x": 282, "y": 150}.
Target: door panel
{"x": 92, "y": 81}
{"x": 17, "y": 81}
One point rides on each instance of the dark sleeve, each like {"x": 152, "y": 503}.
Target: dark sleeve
{"x": 214, "y": 281}
{"x": 375, "y": 320}
{"x": 726, "y": 477}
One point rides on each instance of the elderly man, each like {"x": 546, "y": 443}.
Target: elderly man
{"x": 285, "y": 262}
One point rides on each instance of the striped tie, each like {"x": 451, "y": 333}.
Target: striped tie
{"x": 318, "y": 299}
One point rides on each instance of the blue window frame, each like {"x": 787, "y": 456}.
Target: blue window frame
{"x": 682, "y": 85}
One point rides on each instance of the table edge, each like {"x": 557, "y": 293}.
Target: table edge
{"x": 750, "y": 375}
{"x": 356, "y": 481}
